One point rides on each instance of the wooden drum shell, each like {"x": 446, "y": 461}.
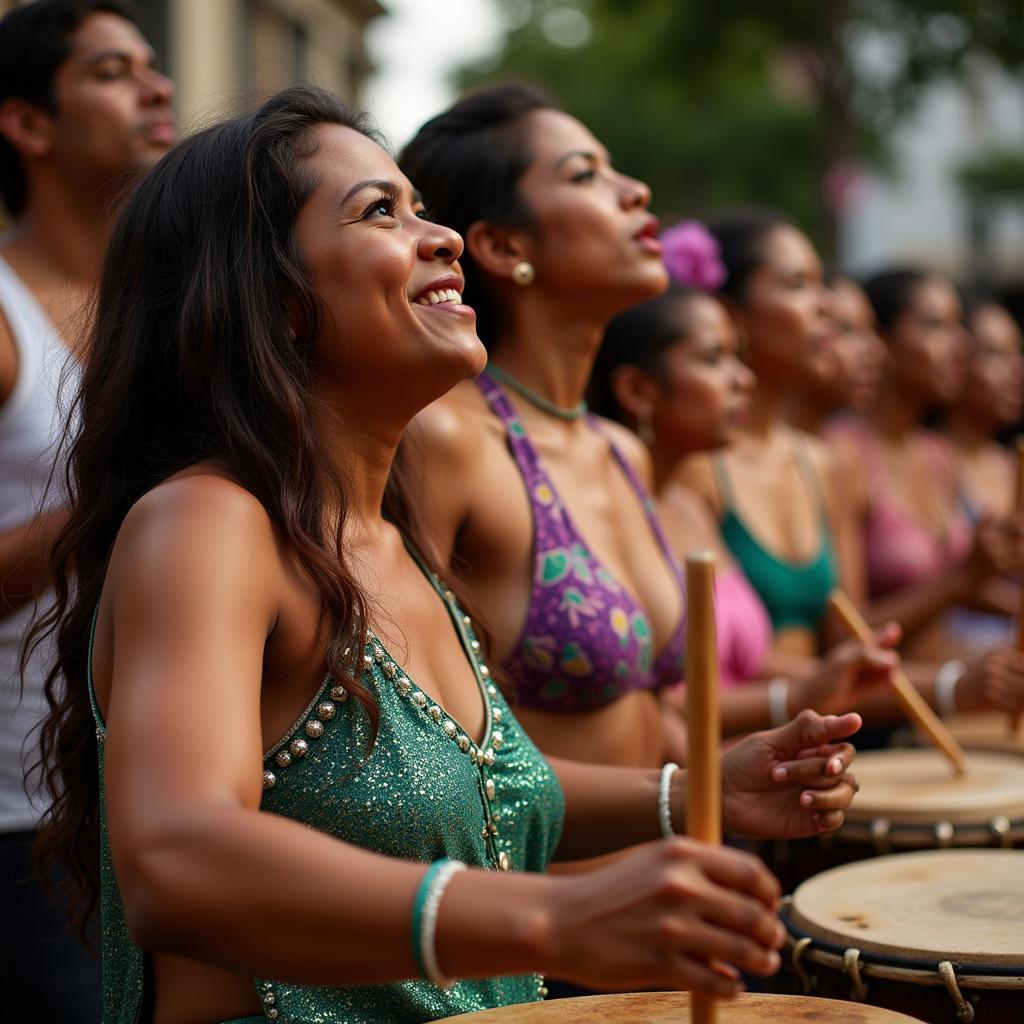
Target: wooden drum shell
{"x": 909, "y": 800}
{"x": 936, "y": 934}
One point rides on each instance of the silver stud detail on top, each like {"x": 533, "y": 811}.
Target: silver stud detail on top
{"x": 293, "y": 748}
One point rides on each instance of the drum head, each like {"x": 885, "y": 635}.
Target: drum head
{"x": 674, "y": 1008}
{"x": 917, "y": 787}
{"x": 961, "y": 905}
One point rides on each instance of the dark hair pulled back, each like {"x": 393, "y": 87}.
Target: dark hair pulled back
{"x": 639, "y": 337}
{"x": 740, "y": 238}
{"x": 891, "y": 293}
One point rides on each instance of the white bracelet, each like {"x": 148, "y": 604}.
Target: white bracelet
{"x": 950, "y": 673}
{"x": 778, "y": 702}
{"x": 665, "y": 799}
{"x": 428, "y": 922}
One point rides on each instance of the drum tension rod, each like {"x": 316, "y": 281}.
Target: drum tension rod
{"x": 964, "y": 1010}
{"x": 880, "y": 834}
{"x": 797, "y": 959}
{"x": 1000, "y": 826}
{"x": 851, "y": 965}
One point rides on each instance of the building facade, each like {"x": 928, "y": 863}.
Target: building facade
{"x": 227, "y": 55}
{"x": 921, "y": 216}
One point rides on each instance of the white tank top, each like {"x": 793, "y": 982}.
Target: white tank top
{"x": 31, "y": 421}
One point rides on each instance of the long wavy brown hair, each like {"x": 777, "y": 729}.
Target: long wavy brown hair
{"x": 194, "y": 356}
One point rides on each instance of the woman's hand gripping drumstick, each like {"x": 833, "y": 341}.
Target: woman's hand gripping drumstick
{"x": 792, "y": 781}
{"x": 913, "y": 704}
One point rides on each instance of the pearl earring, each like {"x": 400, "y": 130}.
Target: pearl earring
{"x": 523, "y": 273}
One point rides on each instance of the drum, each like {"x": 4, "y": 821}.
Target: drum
{"x": 987, "y": 731}
{"x": 937, "y": 933}
{"x": 910, "y": 799}
{"x": 674, "y": 1008}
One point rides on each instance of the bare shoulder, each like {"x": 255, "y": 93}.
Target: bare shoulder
{"x": 632, "y": 449}
{"x": 451, "y": 428}
{"x": 820, "y": 452}
{"x": 836, "y": 465}
{"x": 696, "y": 475}
{"x": 445, "y": 453}
{"x": 198, "y": 527}
{"x": 681, "y": 500}
{"x": 845, "y": 456}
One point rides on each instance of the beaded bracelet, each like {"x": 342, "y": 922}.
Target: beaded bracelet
{"x": 424, "y": 919}
{"x": 778, "y": 701}
{"x": 664, "y": 799}
{"x": 949, "y": 674}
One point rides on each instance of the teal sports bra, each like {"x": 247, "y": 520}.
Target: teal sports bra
{"x": 795, "y": 593}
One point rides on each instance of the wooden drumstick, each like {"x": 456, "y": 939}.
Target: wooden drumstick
{"x": 703, "y": 725}
{"x": 1018, "y": 500}
{"x": 915, "y": 706}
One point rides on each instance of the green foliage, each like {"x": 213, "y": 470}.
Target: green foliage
{"x": 734, "y": 102}
{"x": 995, "y": 176}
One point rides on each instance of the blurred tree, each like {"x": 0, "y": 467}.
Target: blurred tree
{"x": 994, "y": 176}
{"x": 740, "y": 101}
{"x": 990, "y": 181}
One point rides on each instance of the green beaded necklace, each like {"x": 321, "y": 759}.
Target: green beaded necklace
{"x": 576, "y": 412}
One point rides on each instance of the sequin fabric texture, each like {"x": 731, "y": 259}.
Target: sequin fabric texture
{"x": 426, "y": 790}
{"x": 586, "y": 641}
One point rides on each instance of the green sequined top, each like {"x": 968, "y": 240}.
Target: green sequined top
{"x": 425, "y": 791}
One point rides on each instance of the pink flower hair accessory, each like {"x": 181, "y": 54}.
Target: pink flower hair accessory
{"x": 692, "y": 256}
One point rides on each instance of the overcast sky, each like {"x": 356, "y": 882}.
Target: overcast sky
{"x": 415, "y": 46}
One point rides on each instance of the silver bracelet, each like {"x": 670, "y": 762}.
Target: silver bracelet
{"x": 665, "y": 799}
{"x": 778, "y": 701}
{"x": 428, "y": 922}
{"x": 950, "y": 673}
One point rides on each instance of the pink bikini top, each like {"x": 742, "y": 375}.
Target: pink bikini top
{"x": 744, "y": 631}
{"x": 900, "y": 551}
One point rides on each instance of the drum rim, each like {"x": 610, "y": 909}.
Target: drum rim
{"x": 865, "y": 811}
{"x": 910, "y": 964}
{"x": 820, "y": 1002}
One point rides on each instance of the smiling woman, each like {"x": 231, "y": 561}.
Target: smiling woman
{"x": 271, "y": 717}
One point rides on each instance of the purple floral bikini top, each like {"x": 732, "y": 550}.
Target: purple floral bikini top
{"x": 586, "y": 641}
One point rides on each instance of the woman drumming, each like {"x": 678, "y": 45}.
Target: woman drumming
{"x": 773, "y": 491}
{"x": 269, "y": 715}
{"x": 671, "y": 364}
{"x": 544, "y": 509}
{"x": 989, "y": 405}
{"x": 921, "y": 553}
